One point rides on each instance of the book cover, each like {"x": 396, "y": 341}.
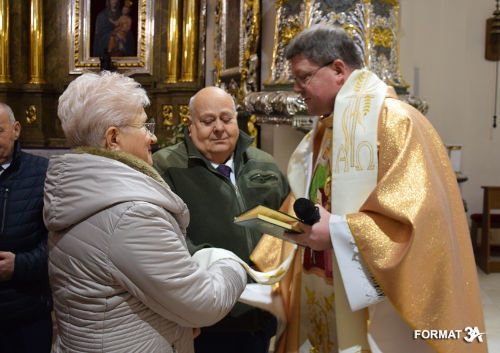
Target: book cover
{"x": 268, "y": 221}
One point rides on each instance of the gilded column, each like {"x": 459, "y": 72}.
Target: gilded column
{"x": 4, "y": 42}
{"x": 190, "y": 41}
{"x": 174, "y": 31}
{"x": 36, "y": 42}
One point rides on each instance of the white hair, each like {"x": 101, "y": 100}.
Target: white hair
{"x": 94, "y": 102}
{"x": 9, "y": 111}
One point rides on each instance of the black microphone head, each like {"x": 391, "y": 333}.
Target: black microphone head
{"x": 306, "y": 211}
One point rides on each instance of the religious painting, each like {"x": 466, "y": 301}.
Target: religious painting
{"x": 111, "y": 34}
{"x": 113, "y": 26}
{"x": 232, "y": 35}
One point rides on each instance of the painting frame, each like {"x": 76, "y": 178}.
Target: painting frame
{"x": 80, "y": 29}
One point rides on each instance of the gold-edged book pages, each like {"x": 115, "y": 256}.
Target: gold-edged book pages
{"x": 268, "y": 221}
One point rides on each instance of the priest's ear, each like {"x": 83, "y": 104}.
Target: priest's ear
{"x": 341, "y": 70}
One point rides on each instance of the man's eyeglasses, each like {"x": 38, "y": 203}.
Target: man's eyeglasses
{"x": 303, "y": 80}
{"x": 148, "y": 125}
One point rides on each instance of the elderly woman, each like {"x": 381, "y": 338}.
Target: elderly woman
{"x": 120, "y": 272}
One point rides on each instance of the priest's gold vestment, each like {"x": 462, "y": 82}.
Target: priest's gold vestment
{"x": 412, "y": 234}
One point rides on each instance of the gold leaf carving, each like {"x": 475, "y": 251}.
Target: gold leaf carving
{"x": 167, "y": 114}
{"x": 184, "y": 114}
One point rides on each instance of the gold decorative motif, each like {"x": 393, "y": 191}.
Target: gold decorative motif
{"x": 190, "y": 41}
{"x": 319, "y": 307}
{"x": 4, "y": 42}
{"x": 290, "y": 31}
{"x": 382, "y": 37}
{"x": 184, "y": 114}
{"x": 30, "y": 114}
{"x": 252, "y": 129}
{"x": 36, "y": 42}
{"x": 359, "y": 107}
{"x": 167, "y": 113}
{"x": 371, "y": 165}
{"x": 174, "y": 23}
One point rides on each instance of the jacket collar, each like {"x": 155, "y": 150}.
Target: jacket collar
{"x": 126, "y": 158}
{"x": 244, "y": 141}
{"x": 16, "y": 153}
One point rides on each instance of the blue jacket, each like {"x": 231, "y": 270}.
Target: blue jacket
{"x": 26, "y": 296}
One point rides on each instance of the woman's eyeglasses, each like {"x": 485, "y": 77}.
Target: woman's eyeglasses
{"x": 149, "y": 125}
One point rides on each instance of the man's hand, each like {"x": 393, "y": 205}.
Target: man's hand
{"x": 6, "y": 265}
{"x": 317, "y": 236}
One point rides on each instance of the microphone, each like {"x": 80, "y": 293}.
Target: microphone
{"x": 306, "y": 211}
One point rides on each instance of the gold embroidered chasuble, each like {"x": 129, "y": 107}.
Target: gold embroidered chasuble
{"x": 411, "y": 232}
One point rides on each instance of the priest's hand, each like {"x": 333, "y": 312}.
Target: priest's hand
{"x": 317, "y": 236}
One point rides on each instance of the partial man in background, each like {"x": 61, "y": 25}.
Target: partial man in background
{"x": 25, "y": 300}
{"x": 217, "y": 172}
{"x": 391, "y": 254}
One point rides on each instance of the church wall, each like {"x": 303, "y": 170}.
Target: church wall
{"x": 442, "y": 44}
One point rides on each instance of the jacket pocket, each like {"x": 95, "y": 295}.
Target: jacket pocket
{"x": 262, "y": 178}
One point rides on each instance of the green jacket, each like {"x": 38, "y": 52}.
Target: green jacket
{"x": 213, "y": 202}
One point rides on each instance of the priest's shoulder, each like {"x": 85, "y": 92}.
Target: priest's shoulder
{"x": 396, "y": 113}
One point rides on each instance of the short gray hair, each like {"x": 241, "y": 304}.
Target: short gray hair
{"x": 324, "y": 44}
{"x": 94, "y": 102}
{"x": 9, "y": 111}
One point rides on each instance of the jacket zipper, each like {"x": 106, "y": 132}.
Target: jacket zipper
{"x": 242, "y": 209}
{"x": 4, "y": 212}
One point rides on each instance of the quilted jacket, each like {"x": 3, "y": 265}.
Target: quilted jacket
{"x": 121, "y": 275}
{"x": 26, "y": 296}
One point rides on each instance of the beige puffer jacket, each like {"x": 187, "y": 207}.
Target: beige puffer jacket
{"x": 120, "y": 273}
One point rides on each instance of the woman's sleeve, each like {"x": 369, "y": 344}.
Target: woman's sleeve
{"x": 151, "y": 261}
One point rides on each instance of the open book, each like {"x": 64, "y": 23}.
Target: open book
{"x": 268, "y": 221}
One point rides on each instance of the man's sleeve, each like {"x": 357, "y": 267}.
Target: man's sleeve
{"x": 32, "y": 265}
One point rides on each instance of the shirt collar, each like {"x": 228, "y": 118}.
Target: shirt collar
{"x": 229, "y": 163}
{"x": 6, "y": 165}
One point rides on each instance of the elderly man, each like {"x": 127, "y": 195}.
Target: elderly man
{"x": 25, "y": 301}
{"x": 219, "y": 175}
{"x": 392, "y": 236}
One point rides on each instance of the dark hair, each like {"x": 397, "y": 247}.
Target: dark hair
{"x": 323, "y": 44}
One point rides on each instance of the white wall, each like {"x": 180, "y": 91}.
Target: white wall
{"x": 445, "y": 41}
